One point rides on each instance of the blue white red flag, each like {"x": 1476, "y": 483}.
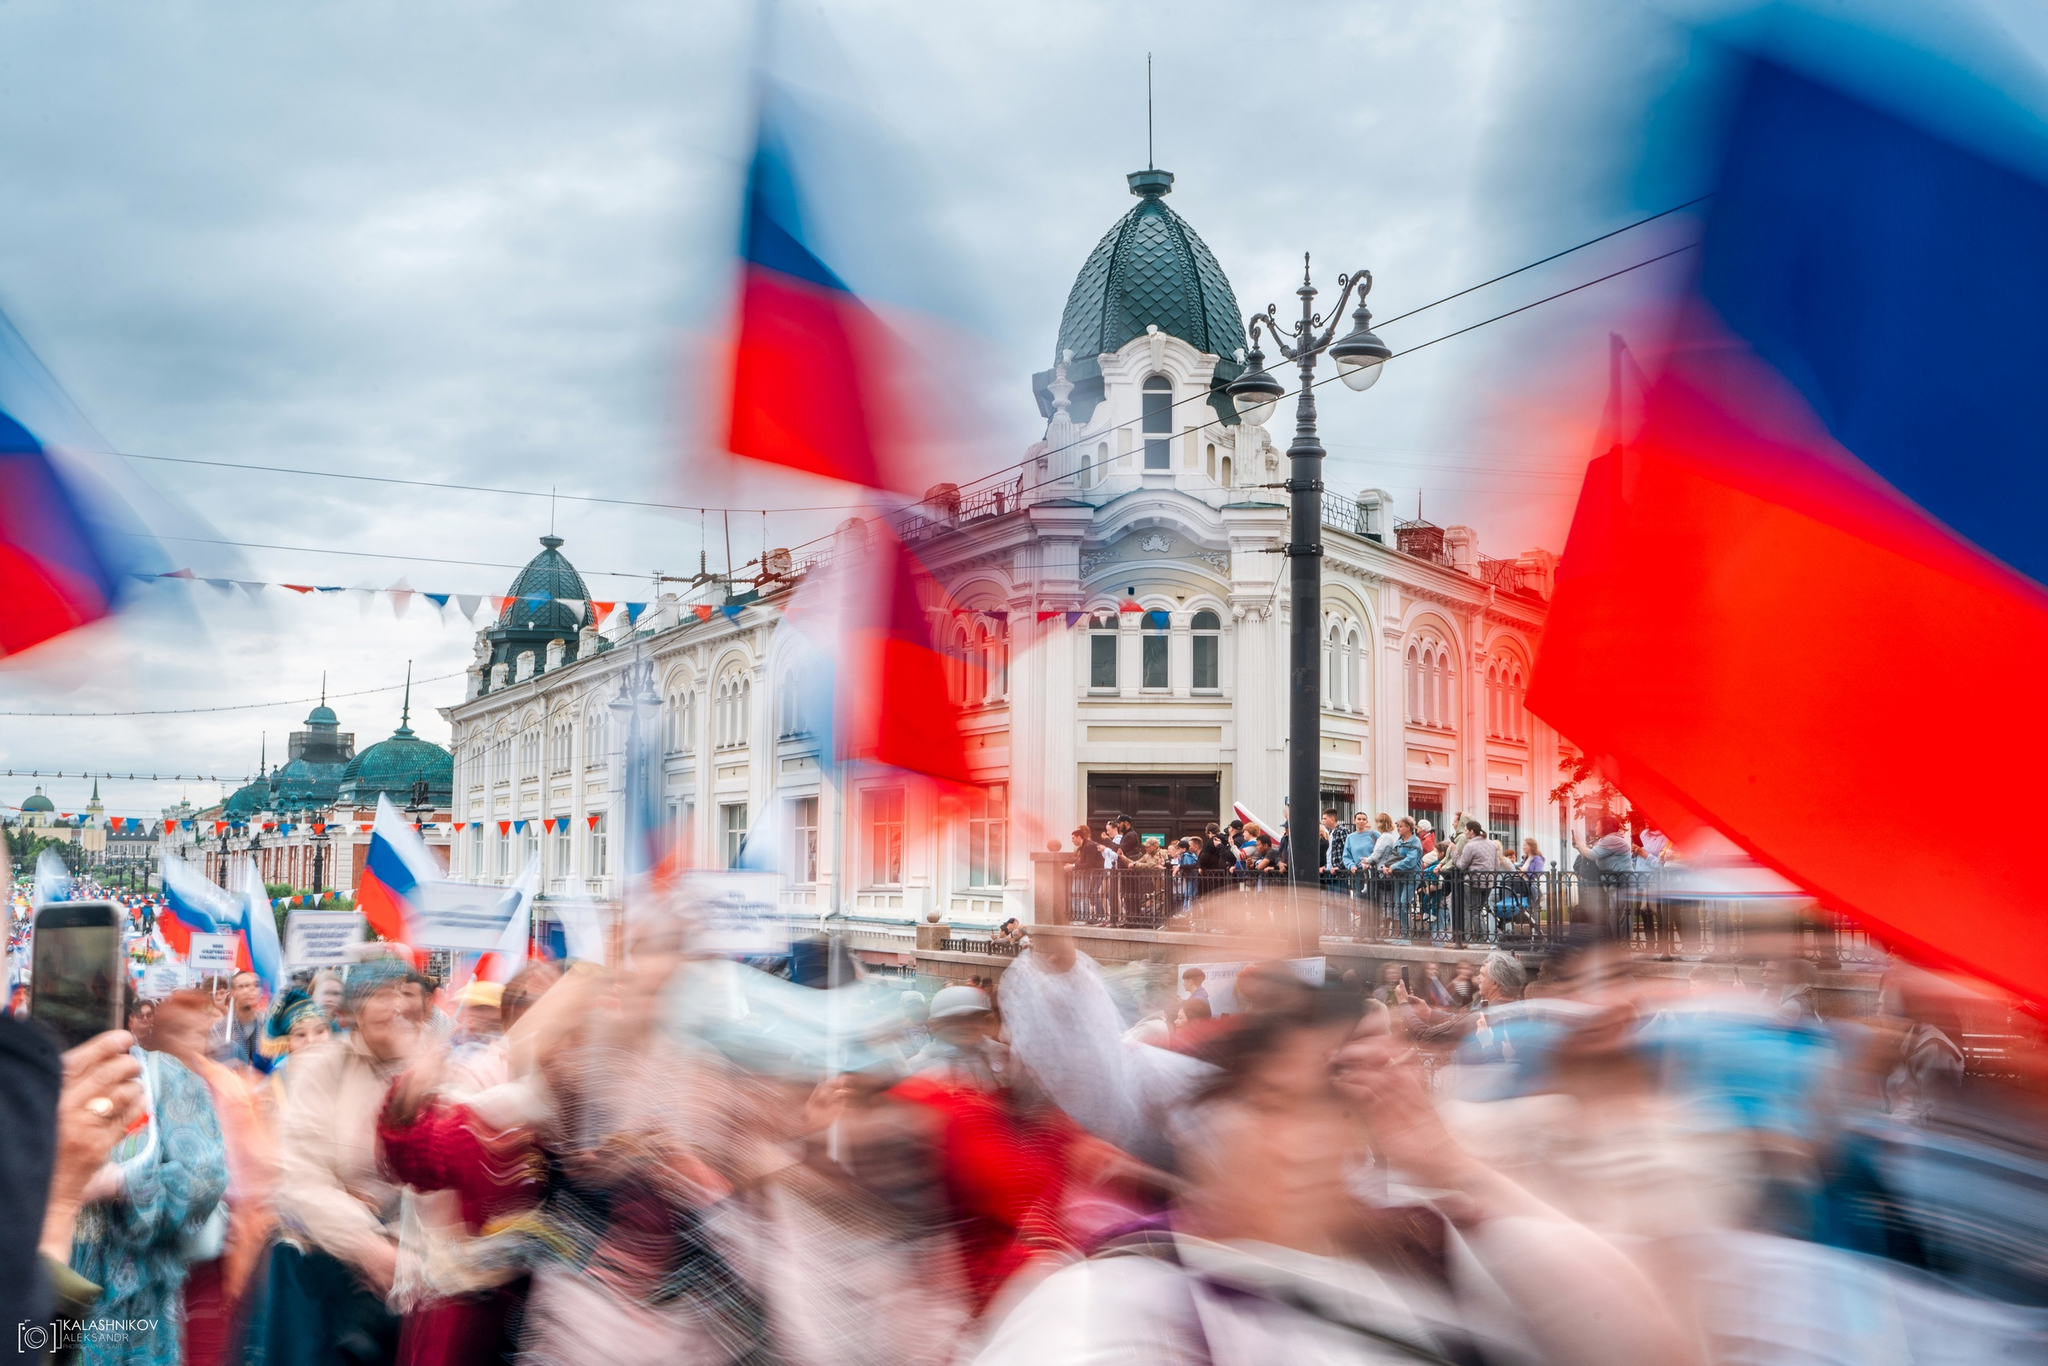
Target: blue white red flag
{"x": 1823, "y": 549}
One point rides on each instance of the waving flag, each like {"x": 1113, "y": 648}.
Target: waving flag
{"x": 508, "y": 955}
{"x": 192, "y": 905}
{"x": 849, "y": 355}
{"x": 259, "y": 930}
{"x": 397, "y": 863}
{"x": 1776, "y": 597}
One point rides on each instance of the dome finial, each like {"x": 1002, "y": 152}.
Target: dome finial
{"x": 405, "y": 716}
{"x": 1150, "y": 183}
{"x": 551, "y": 541}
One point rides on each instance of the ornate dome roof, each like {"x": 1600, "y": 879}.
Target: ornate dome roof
{"x": 322, "y": 715}
{"x": 1150, "y": 268}
{"x": 39, "y": 803}
{"x": 551, "y": 573}
{"x": 249, "y": 799}
{"x": 394, "y": 766}
{"x": 303, "y": 785}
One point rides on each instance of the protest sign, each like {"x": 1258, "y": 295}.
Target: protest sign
{"x": 320, "y": 939}
{"x": 459, "y": 915}
{"x": 736, "y": 912}
{"x": 1218, "y": 982}
{"x": 213, "y": 955}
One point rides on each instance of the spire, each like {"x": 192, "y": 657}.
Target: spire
{"x": 404, "y": 730}
{"x": 263, "y": 744}
{"x": 95, "y": 787}
{"x": 323, "y": 687}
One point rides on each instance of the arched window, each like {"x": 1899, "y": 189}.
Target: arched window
{"x": 1102, "y": 629}
{"x": 1518, "y": 715}
{"x": 1414, "y": 680}
{"x": 1207, "y": 628}
{"x": 998, "y": 646}
{"x": 792, "y": 723}
{"x": 1093, "y": 470}
{"x": 730, "y": 708}
{"x": 1333, "y": 668}
{"x": 1152, "y": 654}
{"x": 688, "y": 723}
{"x": 1209, "y": 459}
{"x": 1157, "y": 397}
{"x": 596, "y": 743}
{"x": 974, "y": 661}
{"x": 1446, "y": 714}
{"x": 1223, "y": 473}
{"x": 1493, "y": 700}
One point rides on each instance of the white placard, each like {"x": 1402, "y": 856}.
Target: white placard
{"x": 213, "y": 955}
{"x": 320, "y": 939}
{"x": 737, "y": 912}
{"x": 460, "y": 915}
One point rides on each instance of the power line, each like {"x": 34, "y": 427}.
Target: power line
{"x": 373, "y": 555}
{"x": 237, "y": 706}
{"x": 482, "y": 488}
{"x": 1548, "y": 298}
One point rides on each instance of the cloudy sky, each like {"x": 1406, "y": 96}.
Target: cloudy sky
{"x": 475, "y": 243}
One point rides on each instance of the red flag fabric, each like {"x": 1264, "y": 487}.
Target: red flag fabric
{"x": 895, "y": 705}
{"x": 592, "y": 820}
{"x": 1749, "y": 633}
{"x": 504, "y": 827}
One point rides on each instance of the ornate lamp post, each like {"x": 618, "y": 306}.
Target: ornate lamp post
{"x": 1359, "y": 355}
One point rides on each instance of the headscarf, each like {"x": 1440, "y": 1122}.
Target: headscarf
{"x": 292, "y": 1007}
{"x": 366, "y": 979}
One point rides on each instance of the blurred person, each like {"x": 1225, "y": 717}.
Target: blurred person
{"x": 333, "y": 1266}
{"x": 153, "y": 1204}
{"x": 916, "y": 1010}
{"x": 1610, "y": 854}
{"x": 1531, "y": 862}
{"x": 1150, "y": 855}
{"x": 1268, "y": 1256}
{"x": 1392, "y": 988}
{"x": 1432, "y": 991}
{"x": 326, "y": 992}
{"x": 1426, "y": 835}
{"x": 1464, "y": 986}
{"x": 1479, "y": 853}
{"x": 238, "y": 1234}
{"x": 237, "y": 1034}
{"x": 1329, "y": 845}
{"x": 962, "y": 1026}
{"x": 1193, "y": 984}
{"x": 1404, "y": 855}
{"x": 142, "y": 1019}
{"x": 1791, "y": 982}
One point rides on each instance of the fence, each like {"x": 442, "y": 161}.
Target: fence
{"x": 1446, "y": 909}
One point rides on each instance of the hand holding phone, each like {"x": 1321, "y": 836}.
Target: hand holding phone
{"x": 78, "y": 987}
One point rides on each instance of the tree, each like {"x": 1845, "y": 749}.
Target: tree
{"x": 25, "y": 848}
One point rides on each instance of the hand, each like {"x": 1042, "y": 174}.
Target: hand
{"x": 1383, "y": 1077}
{"x": 100, "y": 1099}
{"x": 378, "y": 1266}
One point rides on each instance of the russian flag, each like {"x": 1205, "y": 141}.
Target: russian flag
{"x": 397, "y": 864}
{"x": 1823, "y": 549}
{"x": 850, "y": 358}
{"x": 192, "y": 905}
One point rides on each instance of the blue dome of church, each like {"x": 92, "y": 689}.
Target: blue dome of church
{"x": 395, "y": 767}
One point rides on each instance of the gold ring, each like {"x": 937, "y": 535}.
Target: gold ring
{"x": 100, "y": 1107}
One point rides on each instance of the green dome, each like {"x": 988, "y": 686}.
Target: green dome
{"x": 322, "y": 715}
{"x": 393, "y": 766}
{"x": 248, "y": 800}
{"x": 1151, "y": 269}
{"x": 39, "y": 803}
{"x": 303, "y": 785}
{"x": 551, "y": 573}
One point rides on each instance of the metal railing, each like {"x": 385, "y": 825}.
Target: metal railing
{"x": 1447, "y": 908}
{"x": 943, "y": 512}
{"x": 999, "y": 947}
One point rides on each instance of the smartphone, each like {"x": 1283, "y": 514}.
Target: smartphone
{"x": 77, "y": 985}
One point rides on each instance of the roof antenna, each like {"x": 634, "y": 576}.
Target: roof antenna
{"x": 1148, "y": 113}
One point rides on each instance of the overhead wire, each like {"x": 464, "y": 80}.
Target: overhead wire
{"x": 239, "y": 706}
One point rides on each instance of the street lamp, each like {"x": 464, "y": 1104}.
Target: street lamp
{"x": 1359, "y": 354}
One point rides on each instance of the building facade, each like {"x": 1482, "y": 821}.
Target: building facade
{"x": 1116, "y": 617}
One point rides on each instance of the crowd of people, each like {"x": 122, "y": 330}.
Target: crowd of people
{"x": 682, "y": 1158}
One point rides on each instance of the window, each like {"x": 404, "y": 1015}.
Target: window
{"x": 686, "y": 742}
{"x": 791, "y": 724}
{"x": 529, "y": 753}
{"x": 1157, "y": 397}
{"x": 504, "y": 851}
{"x": 803, "y": 840}
{"x": 1153, "y": 656}
{"x": 529, "y": 844}
{"x": 558, "y": 748}
{"x": 1446, "y": 715}
{"x": 564, "y": 851}
{"x": 732, "y": 824}
{"x": 1209, "y": 459}
{"x": 1504, "y": 820}
{"x": 476, "y": 852}
{"x": 1354, "y": 655}
{"x": 1102, "y": 630}
{"x": 1207, "y": 628}
{"x": 596, "y": 744}
{"x": 882, "y": 808}
{"x": 988, "y": 834}
{"x": 673, "y": 717}
{"x": 598, "y": 864}
{"x": 1224, "y": 477}
{"x": 501, "y": 761}
{"x": 730, "y": 708}
{"x": 1092, "y": 472}
{"x": 1333, "y": 668}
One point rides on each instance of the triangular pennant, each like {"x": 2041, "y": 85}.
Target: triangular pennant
{"x": 573, "y": 604}
{"x": 703, "y": 611}
{"x": 633, "y": 611}
{"x": 504, "y": 827}
{"x": 179, "y": 574}
{"x": 600, "y": 610}
{"x": 438, "y": 599}
{"x": 401, "y": 597}
{"x": 520, "y": 826}
{"x": 1073, "y": 617}
{"x": 254, "y": 590}
{"x": 537, "y": 599}
{"x": 593, "y": 819}
{"x": 466, "y": 603}
{"x": 225, "y": 587}
{"x": 1048, "y": 616}
{"x": 1128, "y": 606}
{"x": 331, "y": 588}
{"x": 731, "y": 610}
{"x": 364, "y": 828}
{"x": 299, "y": 587}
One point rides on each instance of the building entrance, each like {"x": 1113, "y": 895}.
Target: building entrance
{"x": 1162, "y": 806}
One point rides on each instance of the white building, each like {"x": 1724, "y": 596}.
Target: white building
{"x": 1118, "y": 606}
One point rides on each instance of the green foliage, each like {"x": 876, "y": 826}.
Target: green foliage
{"x": 25, "y": 847}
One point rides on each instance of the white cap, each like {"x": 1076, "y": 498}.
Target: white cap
{"x": 952, "y": 1001}
{"x": 1422, "y": 825}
